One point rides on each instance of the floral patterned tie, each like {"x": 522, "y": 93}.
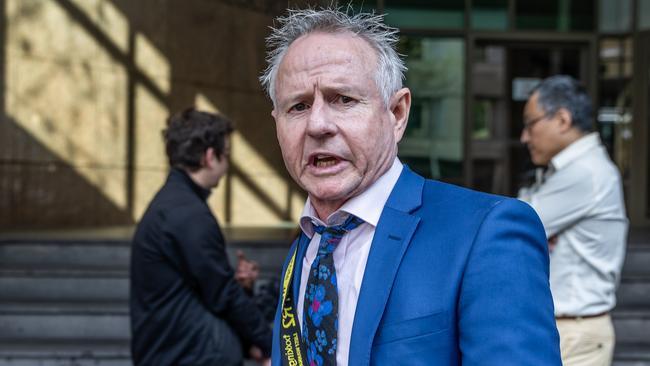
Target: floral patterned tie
{"x": 320, "y": 314}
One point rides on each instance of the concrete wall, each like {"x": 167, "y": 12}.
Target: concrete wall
{"x": 86, "y": 88}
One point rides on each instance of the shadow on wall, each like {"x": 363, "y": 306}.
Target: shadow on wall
{"x": 144, "y": 59}
{"x": 49, "y": 193}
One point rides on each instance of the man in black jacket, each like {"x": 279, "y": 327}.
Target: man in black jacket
{"x": 186, "y": 306}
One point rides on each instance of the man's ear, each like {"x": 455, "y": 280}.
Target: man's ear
{"x": 208, "y": 157}
{"x": 565, "y": 119}
{"x": 399, "y": 107}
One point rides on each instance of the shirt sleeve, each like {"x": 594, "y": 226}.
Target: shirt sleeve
{"x": 566, "y": 197}
{"x": 203, "y": 248}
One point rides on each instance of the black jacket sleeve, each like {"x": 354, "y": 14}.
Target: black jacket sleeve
{"x": 202, "y": 247}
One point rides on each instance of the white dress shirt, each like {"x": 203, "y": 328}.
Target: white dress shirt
{"x": 579, "y": 198}
{"x": 351, "y": 254}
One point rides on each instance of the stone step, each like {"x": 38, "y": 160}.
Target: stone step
{"x": 111, "y": 256}
{"x": 30, "y": 288}
{"x": 77, "y": 353}
{"x": 634, "y": 291}
{"x": 632, "y": 355}
{"x": 632, "y": 326}
{"x": 55, "y": 255}
{"x": 637, "y": 260}
{"x": 56, "y": 324}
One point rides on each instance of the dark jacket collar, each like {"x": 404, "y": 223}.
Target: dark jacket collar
{"x": 180, "y": 175}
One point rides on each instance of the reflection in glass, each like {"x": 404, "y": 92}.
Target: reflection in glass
{"x": 537, "y": 14}
{"x": 433, "y": 142}
{"x": 643, "y": 14}
{"x": 614, "y": 113}
{"x": 560, "y": 15}
{"x": 425, "y": 13}
{"x": 615, "y": 16}
{"x": 490, "y": 14}
{"x": 359, "y": 6}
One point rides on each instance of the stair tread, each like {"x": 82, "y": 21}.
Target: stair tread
{"x": 61, "y": 271}
{"x": 76, "y": 348}
{"x": 64, "y": 308}
{"x": 632, "y": 351}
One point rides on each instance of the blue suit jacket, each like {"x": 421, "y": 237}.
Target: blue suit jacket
{"x": 453, "y": 277}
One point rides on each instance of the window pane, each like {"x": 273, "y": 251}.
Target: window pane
{"x": 359, "y": 6}
{"x": 490, "y": 14}
{"x": 581, "y": 16}
{"x": 614, "y": 112}
{"x": 433, "y": 142}
{"x": 425, "y": 14}
{"x": 536, "y": 14}
{"x": 560, "y": 15}
{"x": 615, "y": 16}
{"x": 644, "y": 14}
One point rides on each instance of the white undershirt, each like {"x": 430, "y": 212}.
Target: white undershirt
{"x": 351, "y": 254}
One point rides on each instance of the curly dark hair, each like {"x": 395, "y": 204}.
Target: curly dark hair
{"x": 190, "y": 133}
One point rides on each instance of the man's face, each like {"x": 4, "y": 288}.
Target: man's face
{"x": 336, "y": 134}
{"x": 541, "y": 133}
{"x": 219, "y": 165}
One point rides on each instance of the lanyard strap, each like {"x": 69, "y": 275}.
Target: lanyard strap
{"x": 290, "y": 340}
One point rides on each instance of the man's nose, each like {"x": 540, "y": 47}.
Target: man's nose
{"x": 320, "y": 123}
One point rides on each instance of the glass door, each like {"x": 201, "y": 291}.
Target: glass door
{"x": 502, "y": 75}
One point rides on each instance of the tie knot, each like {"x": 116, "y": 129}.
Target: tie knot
{"x": 331, "y": 235}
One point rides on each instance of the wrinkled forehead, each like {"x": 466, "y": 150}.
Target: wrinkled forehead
{"x": 346, "y": 45}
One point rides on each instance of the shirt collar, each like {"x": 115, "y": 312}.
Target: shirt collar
{"x": 575, "y": 150}
{"x": 367, "y": 206}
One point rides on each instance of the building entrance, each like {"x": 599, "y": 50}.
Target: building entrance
{"x": 502, "y": 75}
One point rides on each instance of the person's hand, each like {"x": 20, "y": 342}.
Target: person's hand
{"x": 247, "y": 271}
{"x": 552, "y": 242}
{"x": 257, "y": 356}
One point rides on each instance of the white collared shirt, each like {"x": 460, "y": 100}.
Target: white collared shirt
{"x": 351, "y": 254}
{"x": 580, "y": 200}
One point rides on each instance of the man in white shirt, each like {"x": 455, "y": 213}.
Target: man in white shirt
{"x": 579, "y": 199}
{"x": 390, "y": 268}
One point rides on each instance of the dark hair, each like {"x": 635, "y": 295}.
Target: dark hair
{"x": 190, "y": 133}
{"x": 562, "y": 91}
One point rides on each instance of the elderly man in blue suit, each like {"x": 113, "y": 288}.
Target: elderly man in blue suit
{"x": 390, "y": 268}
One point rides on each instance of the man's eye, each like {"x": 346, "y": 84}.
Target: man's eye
{"x": 299, "y": 107}
{"x": 344, "y": 99}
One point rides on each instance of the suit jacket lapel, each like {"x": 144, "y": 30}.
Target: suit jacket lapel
{"x": 392, "y": 237}
{"x": 303, "y": 243}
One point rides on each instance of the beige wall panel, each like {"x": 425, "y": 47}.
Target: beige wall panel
{"x": 152, "y": 63}
{"x": 259, "y": 200}
{"x": 150, "y": 119}
{"x": 298, "y": 197}
{"x": 201, "y": 45}
{"x": 260, "y": 149}
{"x": 147, "y": 184}
{"x": 54, "y": 195}
{"x": 217, "y": 201}
{"x": 248, "y": 52}
{"x": 102, "y": 17}
{"x": 45, "y": 30}
{"x": 56, "y": 105}
{"x": 111, "y": 119}
{"x": 148, "y": 17}
{"x": 200, "y": 96}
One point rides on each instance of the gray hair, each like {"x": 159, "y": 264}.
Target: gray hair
{"x": 562, "y": 91}
{"x": 368, "y": 26}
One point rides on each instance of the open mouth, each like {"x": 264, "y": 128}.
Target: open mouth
{"x": 323, "y": 161}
